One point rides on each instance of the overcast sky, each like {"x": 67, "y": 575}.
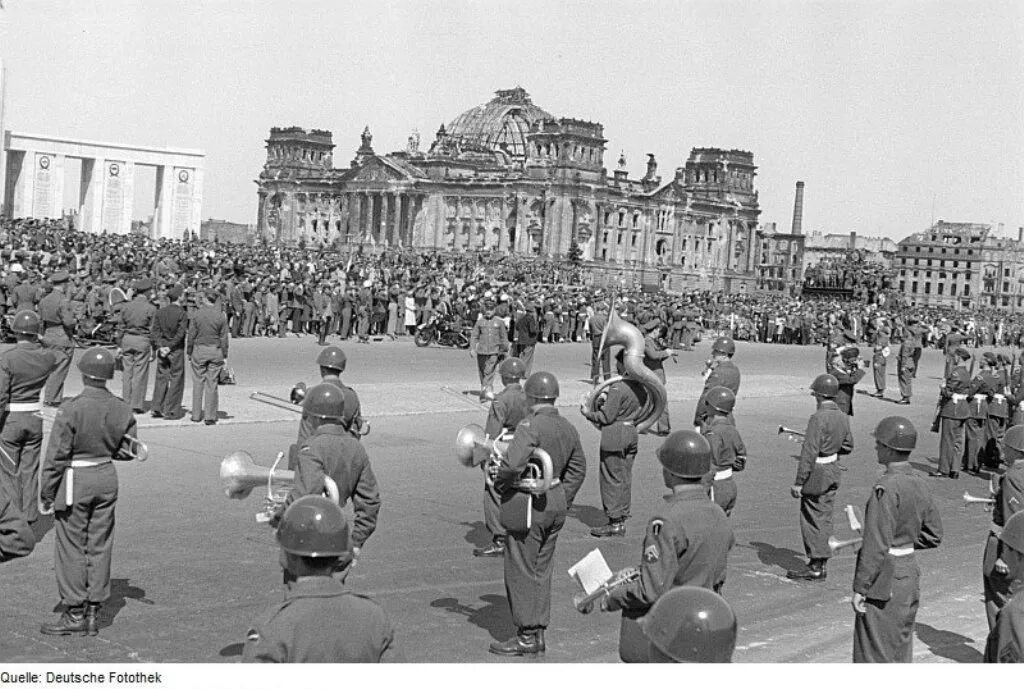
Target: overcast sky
{"x": 884, "y": 109}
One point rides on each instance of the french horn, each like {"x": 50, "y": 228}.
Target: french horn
{"x": 239, "y": 474}
{"x": 536, "y": 477}
{"x": 619, "y": 332}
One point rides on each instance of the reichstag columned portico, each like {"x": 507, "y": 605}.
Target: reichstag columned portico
{"x": 509, "y": 176}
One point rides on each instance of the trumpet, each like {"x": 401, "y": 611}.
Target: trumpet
{"x": 974, "y": 499}
{"x": 621, "y": 578}
{"x": 794, "y": 435}
{"x": 239, "y": 474}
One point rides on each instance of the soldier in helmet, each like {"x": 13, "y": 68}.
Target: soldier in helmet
{"x": 654, "y": 359}
{"x": 58, "y": 321}
{"x": 488, "y": 342}
{"x": 728, "y": 453}
{"x": 817, "y": 476}
{"x": 976, "y": 437}
{"x": 1006, "y": 636}
{"x": 24, "y": 371}
{"x": 899, "y": 518}
{"x": 687, "y": 543}
{"x": 690, "y": 624}
{"x": 79, "y": 484}
{"x": 720, "y": 371}
{"x": 615, "y": 416}
{"x": 332, "y": 451}
{"x": 507, "y": 410}
{"x": 319, "y": 620}
{"x": 529, "y": 555}
{"x": 1009, "y": 499}
{"x": 332, "y": 362}
{"x": 953, "y": 412}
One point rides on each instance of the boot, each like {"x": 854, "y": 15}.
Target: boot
{"x": 71, "y": 622}
{"x": 522, "y": 644}
{"x": 495, "y": 549}
{"x": 615, "y": 527}
{"x": 92, "y": 627}
{"x": 815, "y": 571}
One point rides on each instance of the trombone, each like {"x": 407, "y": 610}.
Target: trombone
{"x": 361, "y": 429}
{"x": 794, "y": 435}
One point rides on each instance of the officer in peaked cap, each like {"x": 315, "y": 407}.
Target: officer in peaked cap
{"x": 58, "y": 323}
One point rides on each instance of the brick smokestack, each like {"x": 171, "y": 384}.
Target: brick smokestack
{"x": 1020, "y": 234}
{"x": 798, "y": 210}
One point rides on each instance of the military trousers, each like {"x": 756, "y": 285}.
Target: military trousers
{"x": 663, "y": 426}
{"x": 996, "y": 586}
{"x": 816, "y": 523}
{"x": 21, "y": 440}
{"x": 878, "y": 371}
{"x": 975, "y": 442}
{"x": 524, "y": 352}
{"x": 724, "y": 494}
{"x": 600, "y": 362}
{"x": 917, "y": 361}
{"x": 486, "y": 365}
{"x": 492, "y": 510}
{"x": 64, "y": 348}
{"x": 135, "y": 353}
{"x": 529, "y": 559}
{"x": 905, "y": 375}
{"x": 616, "y": 481}
{"x": 169, "y": 387}
{"x": 993, "y": 454}
{"x": 84, "y": 536}
{"x": 885, "y": 633}
{"x": 951, "y": 444}
{"x": 207, "y": 362}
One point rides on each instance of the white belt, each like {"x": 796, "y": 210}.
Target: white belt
{"x": 959, "y": 398}
{"x": 1020, "y": 405}
{"x": 826, "y": 460}
{"x": 24, "y": 406}
{"x": 723, "y": 474}
{"x": 999, "y": 397}
{"x": 900, "y": 552}
{"x": 83, "y": 463}
{"x": 980, "y": 398}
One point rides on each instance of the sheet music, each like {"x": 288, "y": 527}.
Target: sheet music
{"x": 591, "y": 572}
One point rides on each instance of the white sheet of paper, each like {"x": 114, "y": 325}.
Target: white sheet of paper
{"x": 591, "y": 572}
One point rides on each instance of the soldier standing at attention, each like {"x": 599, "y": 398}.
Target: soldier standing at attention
{"x": 79, "y": 484}
{"x": 1009, "y": 499}
{"x": 953, "y": 414}
{"x": 207, "y": 350}
{"x": 720, "y": 371}
{"x": 488, "y": 342}
{"x": 985, "y": 384}
{"x": 58, "y": 323}
{"x": 1006, "y": 637}
{"x": 728, "y": 453}
{"x": 24, "y": 370}
{"x": 171, "y": 324}
{"x": 135, "y": 326}
{"x": 899, "y": 518}
{"x": 615, "y": 416}
{"x": 906, "y": 365}
{"x": 527, "y": 331}
{"x": 16, "y": 537}
{"x": 319, "y": 620}
{"x": 507, "y": 410}
{"x": 817, "y": 476}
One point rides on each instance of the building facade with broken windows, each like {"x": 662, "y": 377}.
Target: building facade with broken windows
{"x": 508, "y": 176}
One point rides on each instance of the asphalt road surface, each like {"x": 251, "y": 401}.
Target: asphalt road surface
{"x": 192, "y": 568}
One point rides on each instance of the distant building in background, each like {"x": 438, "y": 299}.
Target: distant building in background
{"x": 225, "y": 231}
{"x": 818, "y": 247}
{"x": 780, "y": 260}
{"x": 962, "y": 265}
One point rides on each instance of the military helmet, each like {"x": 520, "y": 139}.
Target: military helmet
{"x": 512, "y": 369}
{"x": 723, "y": 345}
{"x": 1014, "y": 438}
{"x": 1013, "y": 532}
{"x": 685, "y": 454}
{"x": 97, "y": 363}
{"x": 850, "y": 353}
{"x": 825, "y": 385}
{"x": 896, "y": 433}
{"x": 332, "y": 357}
{"x": 26, "y": 323}
{"x": 542, "y": 386}
{"x": 314, "y": 526}
{"x": 720, "y": 398}
{"x": 690, "y": 624}
{"x": 324, "y": 401}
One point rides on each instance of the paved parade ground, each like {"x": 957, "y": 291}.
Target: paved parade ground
{"x": 192, "y": 568}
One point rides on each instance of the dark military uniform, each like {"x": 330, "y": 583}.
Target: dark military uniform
{"x": 1006, "y": 639}
{"x": 508, "y": 409}
{"x": 827, "y": 437}
{"x": 352, "y": 417}
{"x": 529, "y": 555}
{"x": 58, "y": 321}
{"x": 16, "y": 537}
{"x": 80, "y": 480}
{"x": 618, "y": 445}
{"x": 170, "y": 326}
{"x": 207, "y": 350}
{"x": 1009, "y": 499}
{"x": 136, "y": 326}
{"x": 600, "y": 361}
{"x": 24, "y": 370}
{"x": 654, "y": 357}
{"x": 899, "y": 518}
{"x": 687, "y": 544}
{"x": 954, "y": 413}
{"x": 25, "y": 297}
{"x": 907, "y": 364}
{"x": 490, "y": 341}
{"x": 723, "y": 373}
{"x": 953, "y": 342}
{"x": 848, "y": 374}
{"x": 878, "y": 365}
{"x": 320, "y": 621}
{"x": 983, "y": 386}
{"x": 728, "y": 454}
{"x": 998, "y": 420}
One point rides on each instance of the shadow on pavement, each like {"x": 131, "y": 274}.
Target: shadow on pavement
{"x": 231, "y": 650}
{"x": 785, "y": 558}
{"x": 948, "y": 644}
{"x": 478, "y": 535}
{"x": 925, "y": 468}
{"x": 591, "y": 516}
{"x": 493, "y": 617}
{"x": 120, "y": 592}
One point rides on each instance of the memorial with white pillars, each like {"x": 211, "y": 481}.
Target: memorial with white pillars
{"x": 35, "y": 178}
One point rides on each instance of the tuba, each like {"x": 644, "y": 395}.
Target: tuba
{"x": 619, "y": 332}
{"x": 239, "y": 474}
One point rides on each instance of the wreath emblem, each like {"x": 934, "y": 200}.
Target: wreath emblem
{"x": 183, "y": 176}
{"x": 114, "y": 169}
{"x": 44, "y": 162}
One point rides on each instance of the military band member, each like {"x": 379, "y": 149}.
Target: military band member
{"x": 1006, "y": 637}
{"x": 80, "y": 484}
{"x": 899, "y": 518}
{"x": 507, "y": 410}
{"x": 953, "y": 414}
{"x": 332, "y": 362}
{"x": 170, "y": 326}
{"x": 817, "y": 477}
{"x": 690, "y": 624}
{"x": 1009, "y": 499}
{"x": 728, "y": 453}
{"x": 24, "y": 371}
{"x": 998, "y": 411}
{"x": 58, "y": 321}
{"x": 654, "y": 359}
{"x": 983, "y": 386}
{"x": 488, "y": 343}
{"x": 845, "y": 367}
{"x": 319, "y": 620}
{"x": 16, "y": 536}
{"x": 135, "y": 329}
{"x": 953, "y": 343}
{"x": 615, "y": 416}
{"x": 720, "y": 370}
{"x": 529, "y": 555}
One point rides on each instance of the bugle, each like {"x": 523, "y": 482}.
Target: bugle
{"x": 974, "y": 499}
{"x": 621, "y": 578}
{"x": 794, "y": 435}
{"x": 835, "y": 544}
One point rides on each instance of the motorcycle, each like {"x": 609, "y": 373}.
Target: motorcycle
{"x": 443, "y": 332}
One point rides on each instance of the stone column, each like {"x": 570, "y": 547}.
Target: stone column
{"x": 90, "y": 195}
